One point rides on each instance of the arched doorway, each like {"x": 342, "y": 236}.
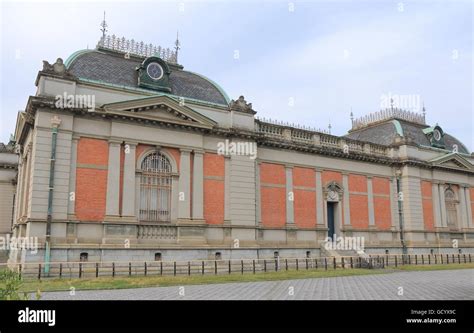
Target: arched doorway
{"x": 333, "y": 196}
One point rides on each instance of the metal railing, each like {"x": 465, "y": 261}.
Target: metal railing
{"x": 231, "y": 266}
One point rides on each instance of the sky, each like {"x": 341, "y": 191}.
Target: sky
{"x": 302, "y": 62}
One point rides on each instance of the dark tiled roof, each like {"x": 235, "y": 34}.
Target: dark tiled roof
{"x": 116, "y": 69}
{"x": 385, "y": 133}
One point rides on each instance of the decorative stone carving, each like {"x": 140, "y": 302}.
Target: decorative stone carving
{"x": 333, "y": 192}
{"x": 57, "y": 68}
{"x": 241, "y": 105}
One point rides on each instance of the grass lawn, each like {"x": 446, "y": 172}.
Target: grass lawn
{"x": 120, "y": 282}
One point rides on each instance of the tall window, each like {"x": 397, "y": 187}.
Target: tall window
{"x": 155, "y": 188}
{"x": 451, "y": 208}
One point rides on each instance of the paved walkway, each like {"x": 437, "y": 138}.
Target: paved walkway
{"x": 427, "y": 285}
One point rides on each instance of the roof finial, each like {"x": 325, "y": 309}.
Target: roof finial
{"x": 329, "y": 126}
{"x": 352, "y": 117}
{"x": 103, "y": 26}
{"x": 391, "y": 103}
{"x": 177, "y": 45}
{"x": 424, "y": 112}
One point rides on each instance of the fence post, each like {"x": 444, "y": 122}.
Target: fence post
{"x": 113, "y": 269}
{"x": 230, "y": 267}
{"x": 60, "y": 270}
{"x": 297, "y": 265}
{"x": 264, "y": 265}
{"x": 352, "y": 263}
{"x": 80, "y": 270}
{"x": 429, "y": 259}
{"x": 447, "y": 258}
{"x": 316, "y": 262}
{"x": 416, "y": 259}
{"x": 276, "y": 265}
{"x": 242, "y": 266}
{"x": 459, "y": 258}
{"x": 464, "y": 255}
{"x": 202, "y": 268}
{"x": 253, "y": 266}
{"x": 129, "y": 269}
{"x": 39, "y": 271}
{"x": 396, "y": 263}
{"x": 306, "y": 263}
{"x": 96, "y": 269}
{"x": 161, "y": 267}
{"x": 215, "y": 267}
{"x": 286, "y": 264}
{"x": 174, "y": 268}
{"x": 146, "y": 268}
{"x": 326, "y": 263}
{"x": 342, "y": 262}
{"x": 422, "y": 260}
{"x": 469, "y": 257}
{"x": 189, "y": 268}
{"x": 334, "y": 262}
{"x": 20, "y": 270}
{"x": 453, "y": 259}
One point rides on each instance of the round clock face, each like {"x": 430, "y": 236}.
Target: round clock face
{"x": 437, "y": 135}
{"x": 154, "y": 71}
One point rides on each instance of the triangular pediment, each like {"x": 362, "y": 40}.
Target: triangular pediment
{"x": 453, "y": 161}
{"x": 160, "y": 108}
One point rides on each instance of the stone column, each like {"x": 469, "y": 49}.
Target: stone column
{"x": 346, "y": 201}
{"x": 257, "y": 194}
{"x": 320, "y": 220}
{"x": 370, "y": 199}
{"x": 227, "y": 189}
{"x": 184, "y": 205}
{"x": 128, "y": 194}
{"x": 468, "y": 207}
{"x": 436, "y": 205}
{"x": 444, "y": 221}
{"x": 198, "y": 185}
{"x": 290, "y": 214}
{"x": 113, "y": 179}
{"x": 462, "y": 208}
{"x": 71, "y": 208}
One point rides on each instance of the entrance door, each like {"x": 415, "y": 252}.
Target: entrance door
{"x": 330, "y": 209}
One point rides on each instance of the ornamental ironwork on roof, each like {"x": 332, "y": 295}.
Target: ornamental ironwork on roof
{"x": 139, "y": 49}
{"x": 387, "y": 114}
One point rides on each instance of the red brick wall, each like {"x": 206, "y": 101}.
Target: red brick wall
{"x": 427, "y": 203}
{"x": 304, "y": 181}
{"x": 358, "y": 201}
{"x": 214, "y": 172}
{"x": 273, "y": 194}
{"x": 91, "y": 182}
{"x": 382, "y": 208}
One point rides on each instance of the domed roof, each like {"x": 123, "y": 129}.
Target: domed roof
{"x": 386, "y": 131}
{"x": 113, "y": 68}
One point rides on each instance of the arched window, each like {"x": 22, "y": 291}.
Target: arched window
{"x": 155, "y": 188}
{"x": 451, "y": 208}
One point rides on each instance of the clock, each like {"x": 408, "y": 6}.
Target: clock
{"x": 437, "y": 134}
{"x": 154, "y": 71}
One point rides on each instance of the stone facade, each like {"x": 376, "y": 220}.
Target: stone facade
{"x": 216, "y": 198}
